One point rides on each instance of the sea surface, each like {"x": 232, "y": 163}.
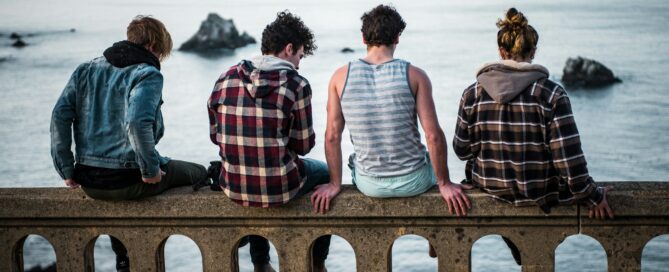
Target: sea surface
{"x": 623, "y": 127}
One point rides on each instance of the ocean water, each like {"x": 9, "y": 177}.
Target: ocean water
{"x": 623, "y": 127}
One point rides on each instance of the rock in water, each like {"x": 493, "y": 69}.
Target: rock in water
{"x": 14, "y": 36}
{"x": 216, "y": 34}
{"x": 50, "y": 268}
{"x": 583, "y": 72}
{"x": 347, "y": 50}
{"x": 19, "y": 43}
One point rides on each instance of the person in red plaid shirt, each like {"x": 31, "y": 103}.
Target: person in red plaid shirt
{"x": 260, "y": 117}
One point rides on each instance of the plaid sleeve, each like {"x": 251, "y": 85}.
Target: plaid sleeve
{"x": 302, "y": 137}
{"x": 568, "y": 158}
{"x": 212, "y": 105}
{"x": 461, "y": 141}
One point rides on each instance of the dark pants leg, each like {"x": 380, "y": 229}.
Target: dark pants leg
{"x": 259, "y": 249}
{"x": 177, "y": 173}
{"x": 118, "y": 247}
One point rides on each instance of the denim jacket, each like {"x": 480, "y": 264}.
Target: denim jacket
{"x": 115, "y": 118}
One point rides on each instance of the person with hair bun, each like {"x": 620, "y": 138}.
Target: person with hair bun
{"x": 517, "y": 133}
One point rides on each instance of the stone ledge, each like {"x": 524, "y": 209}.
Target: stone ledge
{"x": 629, "y": 199}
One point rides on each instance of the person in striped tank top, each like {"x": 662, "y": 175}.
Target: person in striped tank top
{"x": 381, "y": 98}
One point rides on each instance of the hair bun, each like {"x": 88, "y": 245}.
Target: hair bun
{"x": 513, "y": 20}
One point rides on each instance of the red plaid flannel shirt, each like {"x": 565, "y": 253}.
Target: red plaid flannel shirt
{"x": 261, "y": 121}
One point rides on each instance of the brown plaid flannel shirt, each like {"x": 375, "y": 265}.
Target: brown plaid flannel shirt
{"x": 527, "y": 151}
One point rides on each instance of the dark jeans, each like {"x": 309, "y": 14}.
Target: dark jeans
{"x": 317, "y": 173}
{"x": 177, "y": 173}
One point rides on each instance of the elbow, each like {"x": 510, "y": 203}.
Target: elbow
{"x": 332, "y": 138}
{"x": 435, "y": 138}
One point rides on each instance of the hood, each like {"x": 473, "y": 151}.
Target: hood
{"x": 124, "y": 53}
{"x": 505, "y": 80}
{"x": 269, "y": 63}
{"x": 262, "y": 75}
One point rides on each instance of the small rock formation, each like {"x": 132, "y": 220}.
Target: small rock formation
{"x": 72, "y": 30}
{"x": 15, "y": 36}
{"x": 587, "y": 73}
{"x": 50, "y": 268}
{"x": 216, "y": 34}
{"x": 347, "y": 50}
{"x": 19, "y": 43}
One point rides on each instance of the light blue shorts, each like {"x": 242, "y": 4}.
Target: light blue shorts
{"x": 412, "y": 184}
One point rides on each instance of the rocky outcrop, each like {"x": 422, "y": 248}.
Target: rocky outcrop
{"x": 216, "y": 34}
{"x": 49, "y": 268}
{"x": 19, "y": 43}
{"x": 587, "y": 73}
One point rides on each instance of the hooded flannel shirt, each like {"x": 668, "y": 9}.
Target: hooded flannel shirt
{"x": 260, "y": 117}
{"x": 516, "y": 131}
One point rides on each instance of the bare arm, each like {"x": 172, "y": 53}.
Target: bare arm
{"x": 320, "y": 199}
{"x": 436, "y": 142}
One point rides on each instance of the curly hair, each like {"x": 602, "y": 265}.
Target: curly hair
{"x": 515, "y": 34}
{"x": 382, "y": 25}
{"x": 287, "y": 29}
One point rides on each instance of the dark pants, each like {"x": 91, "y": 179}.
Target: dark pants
{"x": 177, "y": 173}
{"x": 317, "y": 174}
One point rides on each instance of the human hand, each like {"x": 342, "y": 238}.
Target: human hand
{"x": 603, "y": 209}
{"x": 320, "y": 198}
{"x": 457, "y": 201}
{"x": 72, "y": 184}
{"x": 155, "y": 179}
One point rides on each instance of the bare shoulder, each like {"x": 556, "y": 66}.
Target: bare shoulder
{"x": 340, "y": 74}
{"x": 338, "y": 79}
{"x": 418, "y": 78}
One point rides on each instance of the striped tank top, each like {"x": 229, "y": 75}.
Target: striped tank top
{"x": 380, "y": 112}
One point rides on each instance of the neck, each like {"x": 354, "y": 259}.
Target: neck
{"x": 528, "y": 60}
{"x": 379, "y": 54}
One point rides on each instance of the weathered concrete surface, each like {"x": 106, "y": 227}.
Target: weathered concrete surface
{"x": 71, "y": 222}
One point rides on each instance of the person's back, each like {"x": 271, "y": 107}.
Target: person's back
{"x": 260, "y": 118}
{"x": 264, "y": 110}
{"x": 103, "y": 90}
{"x": 380, "y": 110}
{"x": 111, "y": 107}
{"x": 517, "y": 132}
{"x": 381, "y": 98}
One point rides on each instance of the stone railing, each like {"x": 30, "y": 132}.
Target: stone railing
{"x": 71, "y": 222}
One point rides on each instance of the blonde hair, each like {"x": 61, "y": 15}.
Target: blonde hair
{"x": 515, "y": 35}
{"x": 149, "y": 32}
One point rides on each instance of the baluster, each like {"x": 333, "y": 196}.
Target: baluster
{"x": 453, "y": 249}
{"x": 623, "y": 244}
{"x": 292, "y": 246}
{"x": 372, "y": 248}
{"x": 218, "y": 248}
{"x": 11, "y": 257}
{"x": 143, "y": 248}
{"x": 70, "y": 247}
{"x": 537, "y": 246}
